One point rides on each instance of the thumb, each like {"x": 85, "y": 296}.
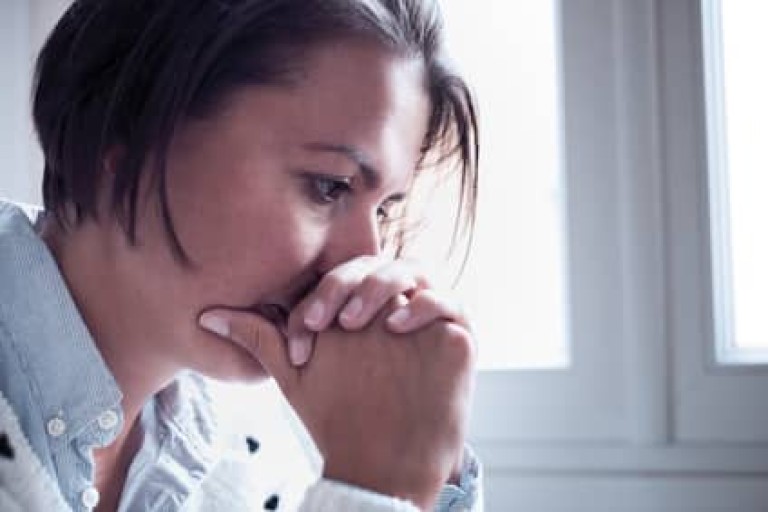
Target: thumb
{"x": 257, "y": 336}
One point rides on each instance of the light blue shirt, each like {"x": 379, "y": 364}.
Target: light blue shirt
{"x": 68, "y": 402}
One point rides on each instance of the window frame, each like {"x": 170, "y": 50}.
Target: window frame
{"x": 716, "y": 402}
{"x": 582, "y": 403}
{"x": 718, "y": 192}
{"x": 644, "y": 384}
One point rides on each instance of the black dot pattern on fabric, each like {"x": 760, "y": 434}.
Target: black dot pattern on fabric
{"x": 253, "y": 444}
{"x": 6, "y": 450}
{"x": 272, "y": 502}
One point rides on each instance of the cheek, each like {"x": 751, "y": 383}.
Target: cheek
{"x": 244, "y": 233}
{"x": 285, "y": 244}
{"x": 248, "y": 251}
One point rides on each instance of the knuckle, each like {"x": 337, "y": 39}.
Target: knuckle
{"x": 361, "y": 266}
{"x": 333, "y": 292}
{"x": 404, "y": 282}
{"x": 426, "y": 302}
{"x": 343, "y": 278}
{"x": 390, "y": 305}
{"x": 430, "y": 297}
{"x": 444, "y": 305}
{"x": 372, "y": 281}
{"x": 368, "y": 260}
{"x": 458, "y": 343}
{"x": 379, "y": 286}
{"x": 331, "y": 282}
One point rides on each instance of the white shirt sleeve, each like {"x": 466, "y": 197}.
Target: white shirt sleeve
{"x": 331, "y": 496}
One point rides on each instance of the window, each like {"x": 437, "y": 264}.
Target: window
{"x": 737, "y": 114}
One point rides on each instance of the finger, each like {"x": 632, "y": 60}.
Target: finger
{"x": 257, "y": 336}
{"x": 425, "y": 307}
{"x": 300, "y": 347}
{"x": 390, "y": 280}
{"x": 319, "y": 308}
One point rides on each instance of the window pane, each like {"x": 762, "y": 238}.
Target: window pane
{"x": 737, "y": 81}
{"x": 513, "y": 284}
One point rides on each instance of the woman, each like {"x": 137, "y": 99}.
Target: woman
{"x": 221, "y": 177}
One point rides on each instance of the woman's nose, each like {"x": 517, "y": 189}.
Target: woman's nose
{"x": 359, "y": 237}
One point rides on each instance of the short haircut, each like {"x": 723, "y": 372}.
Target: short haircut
{"x": 127, "y": 73}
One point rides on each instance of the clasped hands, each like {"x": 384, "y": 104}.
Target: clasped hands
{"x": 379, "y": 368}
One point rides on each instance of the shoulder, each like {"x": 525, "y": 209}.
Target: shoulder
{"x": 15, "y": 216}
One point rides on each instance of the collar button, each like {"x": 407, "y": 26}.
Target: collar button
{"x": 108, "y": 420}
{"x": 56, "y": 427}
{"x": 90, "y": 497}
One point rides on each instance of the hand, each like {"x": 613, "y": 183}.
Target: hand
{"x": 387, "y": 411}
{"x": 355, "y": 291}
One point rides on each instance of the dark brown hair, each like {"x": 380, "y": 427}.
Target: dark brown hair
{"x": 127, "y": 72}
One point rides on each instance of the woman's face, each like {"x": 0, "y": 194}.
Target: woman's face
{"x": 276, "y": 188}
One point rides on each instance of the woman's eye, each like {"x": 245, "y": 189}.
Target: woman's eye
{"x": 328, "y": 190}
{"x": 385, "y": 213}
{"x": 389, "y": 212}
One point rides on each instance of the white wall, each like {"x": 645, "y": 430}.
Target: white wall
{"x": 14, "y": 86}
{"x": 24, "y": 25}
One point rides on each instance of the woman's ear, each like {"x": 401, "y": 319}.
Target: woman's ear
{"x": 110, "y": 165}
{"x": 112, "y": 158}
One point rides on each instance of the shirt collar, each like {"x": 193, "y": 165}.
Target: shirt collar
{"x": 68, "y": 376}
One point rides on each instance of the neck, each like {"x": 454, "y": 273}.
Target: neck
{"x": 124, "y": 332}
{"x": 113, "y": 462}
{"x": 121, "y": 322}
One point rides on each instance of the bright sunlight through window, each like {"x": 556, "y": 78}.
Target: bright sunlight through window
{"x": 735, "y": 40}
{"x": 513, "y": 285}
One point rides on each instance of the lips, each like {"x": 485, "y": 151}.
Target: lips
{"x": 278, "y": 310}
{"x": 276, "y": 314}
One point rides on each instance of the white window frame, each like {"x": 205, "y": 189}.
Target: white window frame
{"x": 716, "y": 402}
{"x": 726, "y": 350}
{"x": 644, "y": 395}
{"x": 583, "y": 402}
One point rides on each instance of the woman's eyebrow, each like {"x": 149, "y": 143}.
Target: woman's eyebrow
{"x": 371, "y": 176}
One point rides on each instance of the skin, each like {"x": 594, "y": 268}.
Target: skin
{"x": 253, "y": 192}
{"x": 408, "y": 393}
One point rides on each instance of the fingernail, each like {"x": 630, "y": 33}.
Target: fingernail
{"x": 399, "y": 317}
{"x": 215, "y": 324}
{"x": 314, "y": 316}
{"x": 298, "y": 350}
{"x": 353, "y": 309}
